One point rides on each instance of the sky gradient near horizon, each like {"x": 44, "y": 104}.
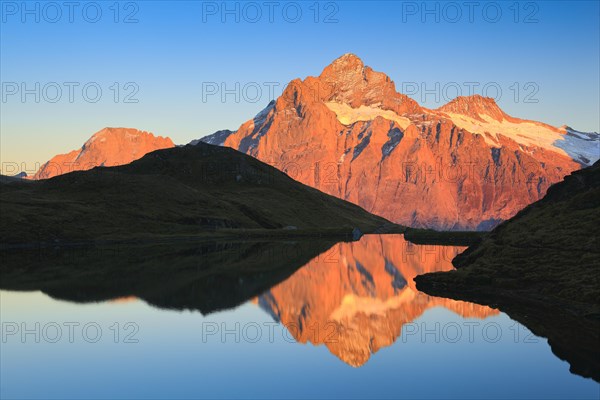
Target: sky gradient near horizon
{"x": 543, "y": 56}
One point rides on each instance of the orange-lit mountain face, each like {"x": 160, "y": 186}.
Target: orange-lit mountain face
{"x": 356, "y": 297}
{"x": 466, "y": 165}
{"x": 108, "y": 147}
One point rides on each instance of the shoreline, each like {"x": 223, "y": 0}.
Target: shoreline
{"x": 224, "y": 234}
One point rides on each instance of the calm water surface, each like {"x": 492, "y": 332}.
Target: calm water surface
{"x": 262, "y": 320}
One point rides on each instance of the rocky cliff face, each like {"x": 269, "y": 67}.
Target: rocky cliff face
{"x": 356, "y": 297}
{"x": 108, "y": 147}
{"x": 466, "y": 165}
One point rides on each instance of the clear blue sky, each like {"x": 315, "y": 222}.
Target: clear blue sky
{"x": 550, "y": 49}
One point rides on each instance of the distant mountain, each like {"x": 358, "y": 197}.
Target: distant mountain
{"x": 218, "y": 138}
{"x": 541, "y": 267}
{"x": 21, "y": 175}
{"x": 466, "y": 165}
{"x": 106, "y": 148}
{"x": 190, "y": 190}
{"x": 482, "y": 115}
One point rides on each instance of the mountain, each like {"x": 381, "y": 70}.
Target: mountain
{"x": 542, "y": 267}
{"x": 106, "y": 148}
{"x": 356, "y": 297}
{"x": 190, "y": 190}
{"x": 21, "y": 175}
{"x": 218, "y": 138}
{"x": 466, "y": 165}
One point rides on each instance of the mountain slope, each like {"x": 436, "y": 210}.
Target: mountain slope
{"x": 349, "y": 133}
{"x": 542, "y": 266}
{"x": 178, "y": 191}
{"x": 106, "y": 148}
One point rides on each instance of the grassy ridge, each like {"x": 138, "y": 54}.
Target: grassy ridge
{"x": 183, "y": 191}
{"x": 543, "y": 268}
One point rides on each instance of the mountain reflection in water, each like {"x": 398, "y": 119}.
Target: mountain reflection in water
{"x": 353, "y": 297}
{"x": 356, "y": 297}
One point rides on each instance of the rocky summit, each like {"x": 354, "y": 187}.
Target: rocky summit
{"x": 106, "y": 148}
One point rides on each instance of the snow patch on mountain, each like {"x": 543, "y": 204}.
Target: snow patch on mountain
{"x": 583, "y": 147}
{"x": 262, "y": 115}
{"x": 353, "y": 304}
{"x": 525, "y": 132}
{"x": 348, "y": 115}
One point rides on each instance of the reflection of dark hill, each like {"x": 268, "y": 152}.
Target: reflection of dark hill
{"x": 188, "y": 190}
{"x": 542, "y": 268}
{"x": 207, "y": 276}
